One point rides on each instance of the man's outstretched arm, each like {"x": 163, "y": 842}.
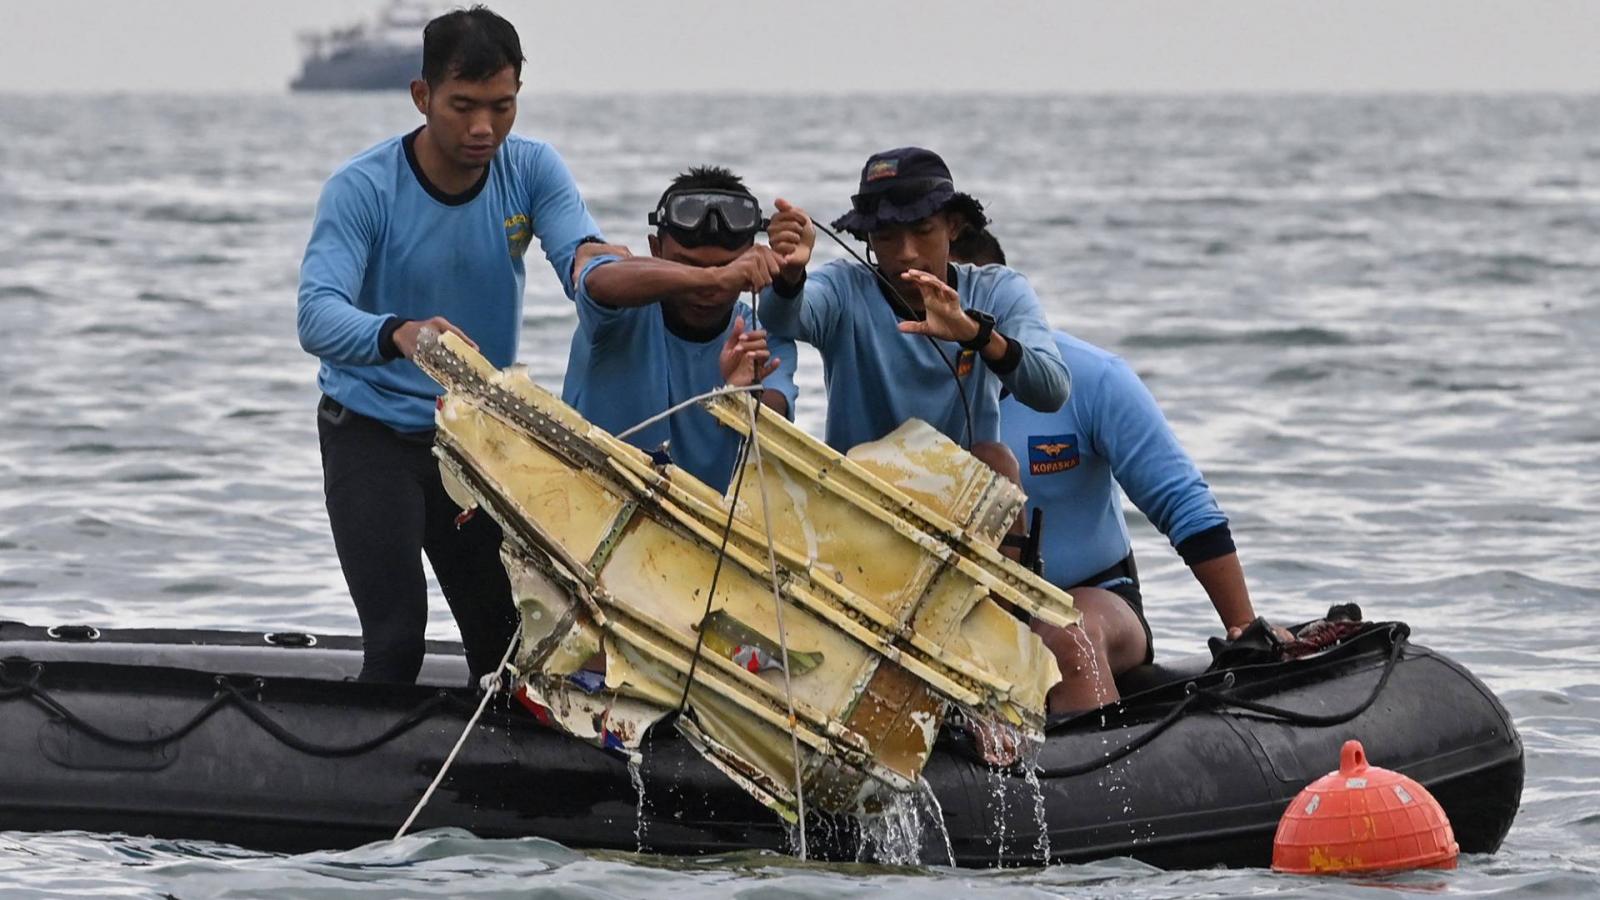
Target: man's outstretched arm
{"x": 642, "y": 280}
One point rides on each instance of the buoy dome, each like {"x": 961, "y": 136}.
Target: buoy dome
{"x": 1363, "y": 819}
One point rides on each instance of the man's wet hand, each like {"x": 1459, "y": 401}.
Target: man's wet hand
{"x": 406, "y": 336}
{"x": 792, "y": 236}
{"x": 752, "y": 271}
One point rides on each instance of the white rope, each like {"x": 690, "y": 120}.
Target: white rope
{"x": 494, "y": 686}
{"x": 783, "y": 636}
{"x": 672, "y": 410}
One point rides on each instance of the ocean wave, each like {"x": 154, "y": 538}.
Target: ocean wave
{"x": 1456, "y": 387}
{"x": 164, "y": 298}
{"x": 192, "y": 214}
{"x": 1298, "y": 374}
{"x": 23, "y": 292}
{"x": 1465, "y": 267}
{"x": 1304, "y": 336}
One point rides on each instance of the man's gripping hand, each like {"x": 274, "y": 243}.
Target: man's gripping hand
{"x": 752, "y": 271}
{"x": 744, "y": 358}
{"x": 405, "y": 337}
{"x": 792, "y": 237}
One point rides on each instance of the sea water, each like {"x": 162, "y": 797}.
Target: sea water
{"x": 1372, "y": 321}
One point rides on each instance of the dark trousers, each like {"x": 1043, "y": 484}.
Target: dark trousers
{"x": 388, "y": 506}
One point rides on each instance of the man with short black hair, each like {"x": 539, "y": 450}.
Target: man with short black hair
{"x": 427, "y": 230}
{"x": 656, "y": 331}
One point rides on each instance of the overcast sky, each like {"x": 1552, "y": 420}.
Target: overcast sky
{"x": 854, "y": 45}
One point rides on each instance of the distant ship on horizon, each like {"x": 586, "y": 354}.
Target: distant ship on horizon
{"x": 382, "y": 55}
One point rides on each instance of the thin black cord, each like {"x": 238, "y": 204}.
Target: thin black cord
{"x": 722, "y": 554}
{"x": 905, "y": 307}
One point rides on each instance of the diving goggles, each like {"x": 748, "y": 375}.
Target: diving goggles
{"x": 693, "y": 212}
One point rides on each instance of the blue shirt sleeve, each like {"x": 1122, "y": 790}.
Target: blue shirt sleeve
{"x": 782, "y": 380}
{"x": 811, "y": 315}
{"x": 596, "y": 320}
{"x": 560, "y": 218}
{"x": 1153, "y": 468}
{"x": 1041, "y": 379}
{"x": 343, "y": 234}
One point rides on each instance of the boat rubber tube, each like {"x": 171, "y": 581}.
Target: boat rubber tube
{"x": 223, "y": 736}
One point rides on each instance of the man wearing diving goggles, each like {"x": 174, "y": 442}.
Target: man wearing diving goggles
{"x": 656, "y": 331}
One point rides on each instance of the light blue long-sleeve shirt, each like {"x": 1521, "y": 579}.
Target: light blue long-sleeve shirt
{"x": 1110, "y": 433}
{"x": 626, "y": 365}
{"x": 878, "y": 377}
{"x": 386, "y": 243}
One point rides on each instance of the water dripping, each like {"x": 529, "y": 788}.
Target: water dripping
{"x": 636, "y": 773}
{"x": 997, "y": 793}
{"x": 893, "y": 835}
{"x": 1041, "y": 846}
{"x": 936, "y": 811}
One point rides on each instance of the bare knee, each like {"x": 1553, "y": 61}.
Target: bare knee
{"x": 1077, "y": 648}
{"x": 1114, "y": 628}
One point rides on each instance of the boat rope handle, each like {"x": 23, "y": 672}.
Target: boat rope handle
{"x": 1195, "y": 695}
{"x": 227, "y": 695}
{"x": 492, "y": 684}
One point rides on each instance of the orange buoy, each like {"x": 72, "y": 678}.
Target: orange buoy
{"x": 1363, "y": 819}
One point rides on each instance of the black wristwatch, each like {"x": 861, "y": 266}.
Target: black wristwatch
{"x": 985, "y": 329}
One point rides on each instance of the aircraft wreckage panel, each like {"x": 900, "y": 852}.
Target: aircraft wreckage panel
{"x": 887, "y": 571}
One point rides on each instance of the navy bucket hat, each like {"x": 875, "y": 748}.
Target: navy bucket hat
{"x": 905, "y": 185}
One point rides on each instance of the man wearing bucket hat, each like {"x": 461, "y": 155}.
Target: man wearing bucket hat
{"x": 865, "y": 321}
{"x": 914, "y": 336}
{"x": 656, "y": 331}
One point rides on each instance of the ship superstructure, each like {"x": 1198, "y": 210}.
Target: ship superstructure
{"x": 384, "y": 54}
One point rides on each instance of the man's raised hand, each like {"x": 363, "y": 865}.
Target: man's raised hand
{"x": 944, "y": 318}
{"x": 752, "y": 271}
{"x": 792, "y": 236}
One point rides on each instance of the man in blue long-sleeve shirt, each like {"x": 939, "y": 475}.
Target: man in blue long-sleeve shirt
{"x": 1110, "y": 434}
{"x": 427, "y": 230}
{"x": 915, "y": 336}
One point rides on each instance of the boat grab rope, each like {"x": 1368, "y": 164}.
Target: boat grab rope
{"x": 1199, "y": 696}
{"x": 491, "y": 686}
{"x": 228, "y": 694}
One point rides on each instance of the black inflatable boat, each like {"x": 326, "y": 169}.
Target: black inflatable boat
{"x": 263, "y": 740}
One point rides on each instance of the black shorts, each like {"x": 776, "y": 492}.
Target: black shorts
{"x": 1129, "y": 591}
{"x": 1122, "y": 579}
